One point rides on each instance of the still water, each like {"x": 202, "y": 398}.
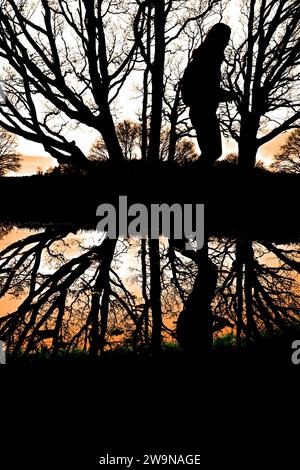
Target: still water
{"x": 60, "y": 287}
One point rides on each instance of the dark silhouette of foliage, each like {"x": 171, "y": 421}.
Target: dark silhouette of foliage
{"x": 130, "y": 137}
{"x": 64, "y": 169}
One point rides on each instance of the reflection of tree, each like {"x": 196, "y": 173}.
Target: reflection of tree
{"x": 73, "y": 295}
{"x": 4, "y": 230}
{"x": 258, "y": 291}
{"x": 77, "y": 302}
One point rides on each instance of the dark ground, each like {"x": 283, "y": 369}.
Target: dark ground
{"x": 236, "y": 410}
{"x": 260, "y": 205}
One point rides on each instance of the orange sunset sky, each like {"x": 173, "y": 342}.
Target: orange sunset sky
{"x": 35, "y": 158}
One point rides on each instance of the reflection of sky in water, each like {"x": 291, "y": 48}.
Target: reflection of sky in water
{"x": 73, "y": 245}
{"x": 273, "y": 280}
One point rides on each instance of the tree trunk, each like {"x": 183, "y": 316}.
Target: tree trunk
{"x": 144, "y": 289}
{"x": 109, "y": 135}
{"x": 245, "y": 277}
{"x": 157, "y": 70}
{"x": 239, "y": 291}
{"x": 144, "y": 137}
{"x": 251, "y": 329}
{"x": 98, "y": 330}
{"x": 173, "y": 122}
{"x": 248, "y": 144}
{"x": 155, "y": 293}
{"x": 205, "y": 286}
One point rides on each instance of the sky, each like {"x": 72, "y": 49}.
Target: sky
{"x": 35, "y": 158}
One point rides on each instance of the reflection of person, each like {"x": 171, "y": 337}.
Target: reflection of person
{"x": 202, "y": 93}
{"x": 194, "y": 325}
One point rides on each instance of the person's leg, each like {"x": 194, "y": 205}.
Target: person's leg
{"x": 208, "y": 132}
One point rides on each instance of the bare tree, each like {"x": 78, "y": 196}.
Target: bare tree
{"x": 258, "y": 296}
{"x": 10, "y": 158}
{"x": 165, "y": 45}
{"x": 83, "y": 302}
{"x": 128, "y": 133}
{"x": 263, "y": 71}
{"x": 130, "y": 137}
{"x": 65, "y": 63}
{"x": 288, "y": 157}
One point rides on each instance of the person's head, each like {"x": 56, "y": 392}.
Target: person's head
{"x": 218, "y": 36}
{"x": 216, "y": 39}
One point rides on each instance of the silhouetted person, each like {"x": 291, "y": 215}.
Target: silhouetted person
{"x": 195, "y": 322}
{"x": 201, "y": 91}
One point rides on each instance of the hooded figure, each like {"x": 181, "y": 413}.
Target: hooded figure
{"x": 200, "y": 88}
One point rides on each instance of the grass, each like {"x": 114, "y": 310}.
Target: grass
{"x": 277, "y": 347}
